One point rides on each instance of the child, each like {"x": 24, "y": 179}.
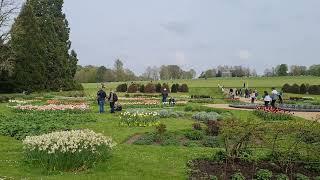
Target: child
{"x": 266, "y": 99}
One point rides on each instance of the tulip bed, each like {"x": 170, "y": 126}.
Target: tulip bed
{"x": 273, "y": 114}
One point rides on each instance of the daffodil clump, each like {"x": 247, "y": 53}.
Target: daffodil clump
{"x": 67, "y": 150}
{"x": 139, "y": 118}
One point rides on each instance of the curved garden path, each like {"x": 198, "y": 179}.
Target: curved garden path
{"x": 305, "y": 115}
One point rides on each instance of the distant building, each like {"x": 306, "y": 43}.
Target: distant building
{"x": 226, "y": 74}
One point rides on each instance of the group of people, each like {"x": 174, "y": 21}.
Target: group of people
{"x": 102, "y": 97}
{"x": 272, "y": 98}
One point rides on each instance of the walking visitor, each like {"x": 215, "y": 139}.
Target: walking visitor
{"x": 267, "y": 99}
{"x": 165, "y": 95}
{"x": 101, "y": 98}
{"x": 274, "y": 97}
{"x": 253, "y": 97}
{"x": 113, "y": 98}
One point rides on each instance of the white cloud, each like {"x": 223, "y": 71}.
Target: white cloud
{"x": 244, "y": 54}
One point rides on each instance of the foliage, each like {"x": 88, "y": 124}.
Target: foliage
{"x": 158, "y": 88}
{"x": 211, "y": 141}
{"x": 213, "y": 128}
{"x": 175, "y": 88}
{"x": 238, "y": 176}
{"x": 165, "y": 86}
{"x": 164, "y": 113}
{"x": 32, "y": 123}
{"x": 133, "y": 88}
{"x": 194, "y": 135}
{"x": 81, "y": 148}
{"x": 184, "y": 88}
{"x": 299, "y": 176}
{"x": 141, "y": 88}
{"x": 282, "y": 177}
{"x": 206, "y": 116}
{"x": 314, "y": 89}
{"x": 161, "y": 129}
{"x": 150, "y": 88}
{"x": 303, "y": 89}
{"x": 122, "y": 87}
{"x": 196, "y": 126}
{"x": 264, "y": 174}
{"x": 166, "y": 139}
{"x": 273, "y": 114}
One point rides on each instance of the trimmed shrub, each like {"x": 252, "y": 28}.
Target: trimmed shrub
{"x": 158, "y": 88}
{"x": 194, "y": 135}
{"x": 133, "y": 88}
{"x": 150, "y": 88}
{"x": 175, "y": 88}
{"x": 122, "y": 87}
{"x": 184, "y": 88}
{"x": 264, "y": 174}
{"x": 303, "y": 89}
{"x": 141, "y": 88}
{"x": 286, "y": 88}
{"x": 295, "y": 88}
{"x": 314, "y": 89}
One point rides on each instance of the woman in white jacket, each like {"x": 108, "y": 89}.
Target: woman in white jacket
{"x": 266, "y": 99}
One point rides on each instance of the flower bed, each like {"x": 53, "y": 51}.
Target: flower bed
{"x": 67, "y": 150}
{"x": 273, "y": 114}
{"x": 140, "y": 118}
{"x": 207, "y": 116}
{"x": 53, "y": 107}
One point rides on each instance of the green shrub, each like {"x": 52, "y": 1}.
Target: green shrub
{"x": 303, "y": 89}
{"x": 164, "y": 113}
{"x": 122, "y": 87}
{"x": 206, "y": 116}
{"x": 264, "y": 174}
{"x": 184, "y": 88}
{"x": 299, "y": 176}
{"x": 194, "y": 135}
{"x": 314, "y": 89}
{"x": 282, "y": 177}
{"x": 286, "y": 88}
{"x": 191, "y": 144}
{"x": 165, "y": 86}
{"x": 196, "y": 126}
{"x": 213, "y": 128}
{"x": 238, "y": 176}
{"x": 133, "y": 88}
{"x": 158, "y": 88}
{"x": 146, "y": 139}
{"x": 175, "y": 88}
{"x": 295, "y": 88}
{"x": 211, "y": 141}
{"x": 161, "y": 129}
{"x": 220, "y": 156}
{"x": 213, "y": 178}
{"x": 141, "y": 88}
{"x": 317, "y": 178}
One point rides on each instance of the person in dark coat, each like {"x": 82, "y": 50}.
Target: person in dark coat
{"x": 101, "y": 98}
{"x": 165, "y": 95}
{"x": 112, "y": 98}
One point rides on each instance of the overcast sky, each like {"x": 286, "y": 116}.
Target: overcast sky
{"x": 195, "y": 34}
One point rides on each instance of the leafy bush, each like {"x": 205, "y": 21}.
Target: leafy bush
{"x": 133, "y": 88}
{"x": 194, "y": 135}
{"x": 33, "y": 123}
{"x": 214, "y": 178}
{"x": 303, "y": 89}
{"x": 264, "y": 174}
{"x": 238, "y": 176}
{"x": 213, "y": 128}
{"x": 158, "y": 88}
{"x": 299, "y": 176}
{"x": 141, "y": 88}
{"x": 67, "y": 150}
{"x": 175, "y": 88}
{"x": 150, "y": 88}
{"x": 161, "y": 129}
{"x": 4, "y": 99}
{"x": 210, "y": 141}
{"x": 273, "y": 114}
{"x": 122, "y": 87}
{"x": 220, "y": 156}
{"x": 164, "y": 113}
{"x": 295, "y": 88}
{"x": 282, "y": 177}
{"x": 184, "y": 88}
{"x": 206, "y": 116}
{"x": 196, "y": 126}
{"x": 314, "y": 89}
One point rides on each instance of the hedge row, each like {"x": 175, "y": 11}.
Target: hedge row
{"x": 302, "y": 89}
{"x": 151, "y": 88}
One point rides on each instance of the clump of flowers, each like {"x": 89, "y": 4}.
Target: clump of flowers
{"x": 273, "y": 114}
{"x": 54, "y": 107}
{"x": 67, "y": 150}
{"x": 139, "y": 118}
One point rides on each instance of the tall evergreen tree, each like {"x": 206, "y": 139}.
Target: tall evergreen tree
{"x": 27, "y": 45}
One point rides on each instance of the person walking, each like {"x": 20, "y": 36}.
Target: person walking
{"x": 253, "y": 97}
{"x": 113, "y": 98}
{"x": 165, "y": 95}
{"x": 274, "y": 97}
{"x": 280, "y": 97}
{"x": 267, "y": 99}
{"x": 101, "y": 98}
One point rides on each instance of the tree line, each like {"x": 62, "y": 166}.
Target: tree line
{"x": 36, "y": 51}
{"x": 293, "y": 70}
